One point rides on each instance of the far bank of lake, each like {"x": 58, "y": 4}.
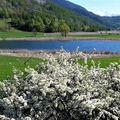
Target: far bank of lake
{"x": 20, "y": 35}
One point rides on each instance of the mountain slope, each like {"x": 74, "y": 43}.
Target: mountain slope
{"x": 78, "y": 9}
{"x": 114, "y": 21}
{"x": 111, "y": 22}
{"x": 44, "y": 16}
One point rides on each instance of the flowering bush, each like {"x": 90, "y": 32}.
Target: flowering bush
{"x": 61, "y": 89}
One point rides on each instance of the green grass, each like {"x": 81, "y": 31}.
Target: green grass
{"x": 18, "y": 34}
{"x": 13, "y": 33}
{"x": 8, "y": 62}
{"x": 104, "y": 61}
{"x": 109, "y": 35}
{"x": 21, "y": 34}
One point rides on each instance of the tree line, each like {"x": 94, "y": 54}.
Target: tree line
{"x": 48, "y": 17}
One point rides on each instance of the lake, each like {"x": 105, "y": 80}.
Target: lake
{"x": 68, "y": 45}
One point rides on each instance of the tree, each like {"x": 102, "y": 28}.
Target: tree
{"x": 53, "y": 27}
{"x": 64, "y": 28}
{"x": 34, "y": 32}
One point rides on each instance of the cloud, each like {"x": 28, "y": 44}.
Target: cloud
{"x": 106, "y": 13}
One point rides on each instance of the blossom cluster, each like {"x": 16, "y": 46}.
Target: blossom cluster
{"x": 62, "y": 89}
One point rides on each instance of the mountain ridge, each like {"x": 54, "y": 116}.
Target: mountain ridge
{"x": 45, "y": 16}
{"x": 78, "y": 9}
{"x": 112, "y": 22}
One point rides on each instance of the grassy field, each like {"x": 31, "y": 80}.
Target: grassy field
{"x": 103, "y": 61}
{"x": 7, "y": 63}
{"x": 109, "y": 35}
{"x": 13, "y": 33}
{"x": 18, "y": 34}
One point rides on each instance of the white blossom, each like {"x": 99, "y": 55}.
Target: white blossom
{"x": 62, "y": 89}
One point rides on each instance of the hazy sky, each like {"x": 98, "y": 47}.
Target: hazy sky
{"x": 101, "y": 7}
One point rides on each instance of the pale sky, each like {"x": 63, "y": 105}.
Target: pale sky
{"x": 100, "y": 7}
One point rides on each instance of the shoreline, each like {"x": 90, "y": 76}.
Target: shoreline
{"x": 47, "y": 54}
{"x": 58, "y": 38}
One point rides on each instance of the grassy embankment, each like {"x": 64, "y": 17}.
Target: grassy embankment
{"x": 20, "y": 34}
{"x": 7, "y": 63}
{"x": 98, "y": 36}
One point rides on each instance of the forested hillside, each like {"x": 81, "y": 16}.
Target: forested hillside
{"x": 44, "y": 16}
{"x": 112, "y": 22}
{"x": 78, "y": 9}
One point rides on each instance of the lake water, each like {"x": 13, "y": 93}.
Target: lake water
{"x": 70, "y": 45}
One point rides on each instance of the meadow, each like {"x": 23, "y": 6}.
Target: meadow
{"x": 7, "y": 63}
{"x": 13, "y": 33}
{"x": 99, "y": 36}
